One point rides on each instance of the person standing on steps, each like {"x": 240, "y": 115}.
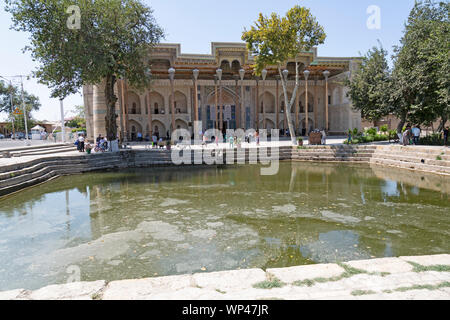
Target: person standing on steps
{"x": 81, "y": 143}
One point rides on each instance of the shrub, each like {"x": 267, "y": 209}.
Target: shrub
{"x": 355, "y": 131}
{"x": 384, "y": 128}
{"x": 371, "y": 131}
{"x": 432, "y": 140}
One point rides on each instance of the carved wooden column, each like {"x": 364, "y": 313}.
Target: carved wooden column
{"x": 149, "y": 115}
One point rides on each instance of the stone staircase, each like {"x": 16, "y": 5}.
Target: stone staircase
{"x": 361, "y": 153}
{"x": 47, "y": 149}
{"x": 26, "y": 174}
{"x": 421, "y": 158}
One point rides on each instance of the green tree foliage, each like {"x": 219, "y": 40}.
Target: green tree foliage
{"x": 369, "y": 88}
{"x": 274, "y": 40}
{"x": 422, "y": 65}
{"x": 6, "y": 90}
{"x": 114, "y": 41}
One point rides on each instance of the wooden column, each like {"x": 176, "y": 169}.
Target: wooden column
{"x": 149, "y": 116}
{"x": 216, "y": 96}
{"x": 264, "y": 105}
{"x": 257, "y": 105}
{"x": 316, "y": 108}
{"x": 307, "y": 108}
{"x": 297, "y": 111}
{"x": 126, "y": 110}
{"x": 238, "y": 105}
{"x": 277, "y": 103}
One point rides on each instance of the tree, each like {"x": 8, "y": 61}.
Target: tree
{"x": 113, "y": 40}
{"x": 19, "y": 120}
{"x": 274, "y": 40}
{"x": 369, "y": 87}
{"x": 422, "y": 65}
{"x": 5, "y": 98}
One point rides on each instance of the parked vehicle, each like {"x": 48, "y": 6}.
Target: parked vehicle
{"x": 2, "y": 136}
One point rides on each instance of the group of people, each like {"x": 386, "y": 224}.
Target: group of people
{"x": 410, "y": 136}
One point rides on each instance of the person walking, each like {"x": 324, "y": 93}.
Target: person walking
{"x": 445, "y": 136}
{"x": 257, "y": 138}
{"x": 324, "y": 137}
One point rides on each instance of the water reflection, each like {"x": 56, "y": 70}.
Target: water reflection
{"x": 153, "y": 222}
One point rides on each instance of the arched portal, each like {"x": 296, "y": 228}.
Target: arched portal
{"x": 134, "y": 103}
{"x": 180, "y": 103}
{"x": 157, "y": 103}
{"x": 269, "y": 102}
{"x": 135, "y": 128}
{"x": 158, "y": 129}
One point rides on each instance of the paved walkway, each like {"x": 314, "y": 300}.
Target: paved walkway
{"x": 404, "y": 278}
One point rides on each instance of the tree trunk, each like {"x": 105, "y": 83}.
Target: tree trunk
{"x": 111, "y": 116}
{"x": 289, "y": 104}
{"x": 402, "y": 123}
{"x": 442, "y": 124}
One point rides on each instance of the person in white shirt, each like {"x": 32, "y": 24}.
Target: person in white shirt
{"x": 416, "y": 135}
{"x": 81, "y": 143}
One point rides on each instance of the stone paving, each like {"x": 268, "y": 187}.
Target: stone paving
{"x": 404, "y": 278}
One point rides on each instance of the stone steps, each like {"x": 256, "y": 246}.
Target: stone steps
{"x": 411, "y": 159}
{"x": 41, "y": 150}
{"x": 411, "y": 166}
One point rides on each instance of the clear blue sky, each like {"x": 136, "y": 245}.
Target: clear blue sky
{"x": 197, "y": 23}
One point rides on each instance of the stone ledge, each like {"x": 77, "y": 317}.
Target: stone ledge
{"x": 225, "y": 280}
{"x": 442, "y": 259}
{"x": 69, "y": 291}
{"x": 292, "y": 274}
{"x": 391, "y": 265}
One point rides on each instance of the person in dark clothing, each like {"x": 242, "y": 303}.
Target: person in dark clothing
{"x": 445, "y": 136}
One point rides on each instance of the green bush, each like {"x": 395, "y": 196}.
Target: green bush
{"x": 384, "y": 129}
{"x": 434, "y": 139}
{"x": 355, "y": 132}
{"x": 371, "y": 131}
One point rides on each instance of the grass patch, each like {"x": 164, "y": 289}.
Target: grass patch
{"x": 362, "y": 292}
{"x": 220, "y": 291}
{"x": 348, "y": 273}
{"x": 269, "y": 284}
{"x": 302, "y": 283}
{"x": 424, "y": 287}
{"x": 421, "y": 268}
{"x": 439, "y": 158}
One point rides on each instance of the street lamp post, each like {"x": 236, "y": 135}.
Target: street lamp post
{"x": 264, "y": 75}
{"x": 195, "y": 73}
{"x": 63, "y": 127}
{"x": 242, "y": 76}
{"x": 306, "y": 74}
{"x": 219, "y": 77}
{"x": 172, "y": 103}
{"x": 216, "y": 99}
{"x": 326, "y": 75}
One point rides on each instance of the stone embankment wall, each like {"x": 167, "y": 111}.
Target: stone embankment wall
{"x": 422, "y": 277}
{"x": 37, "y": 167}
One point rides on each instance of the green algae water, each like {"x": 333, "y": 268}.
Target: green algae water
{"x": 142, "y": 223}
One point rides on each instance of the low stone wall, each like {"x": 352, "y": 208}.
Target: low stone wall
{"x": 23, "y": 172}
{"x": 422, "y": 277}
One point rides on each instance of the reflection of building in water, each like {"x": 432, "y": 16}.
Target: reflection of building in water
{"x": 262, "y": 106}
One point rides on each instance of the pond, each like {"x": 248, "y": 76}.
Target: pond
{"x": 140, "y": 223}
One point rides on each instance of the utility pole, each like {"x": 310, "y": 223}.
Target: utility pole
{"x": 12, "y": 109}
